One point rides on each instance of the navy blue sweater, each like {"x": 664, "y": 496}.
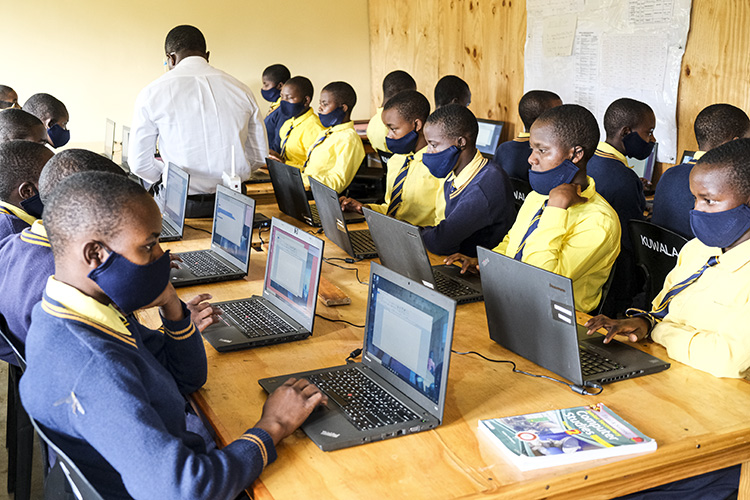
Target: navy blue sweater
{"x": 673, "y": 200}
{"x": 10, "y": 224}
{"x": 513, "y": 157}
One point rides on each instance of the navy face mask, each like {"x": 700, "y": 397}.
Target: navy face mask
{"x": 720, "y": 229}
{"x": 58, "y": 135}
{"x": 270, "y": 95}
{"x": 440, "y": 164}
{"x": 636, "y": 147}
{"x": 335, "y": 117}
{"x": 403, "y": 145}
{"x": 131, "y": 286}
{"x": 33, "y": 206}
{"x": 292, "y": 109}
{"x": 544, "y": 182}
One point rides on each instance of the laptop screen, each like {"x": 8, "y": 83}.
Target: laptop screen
{"x": 176, "y": 195}
{"x": 489, "y": 136}
{"x": 644, "y": 168}
{"x": 407, "y": 335}
{"x": 109, "y": 139}
{"x": 687, "y": 156}
{"x": 233, "y": 226}
{"x": 125, "y": 144}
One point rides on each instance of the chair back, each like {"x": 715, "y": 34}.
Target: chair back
{"x": 656, "y": 250}
{"x": 520, "y": 189}
{"x": 18, "y": 351}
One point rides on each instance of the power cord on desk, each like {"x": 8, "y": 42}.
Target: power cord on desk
{"x": 260, "y": 231}
{"x": 339, "y": 321}
{"x": 575, "y": 388}
{"x": 348, "y": 261}
{"x": 352, "y": 355}
{"x": 198, "y": 228}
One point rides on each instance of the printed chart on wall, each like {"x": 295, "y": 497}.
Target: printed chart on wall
{"x": 592, "y": 52}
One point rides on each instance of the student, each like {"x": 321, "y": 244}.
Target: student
{"x": 337, "y": 152}
{"x": 16, "y": 124}
{"x": 393, "y": 83}
{"x": 274, "y": 77}
{"x": 564, "y": 226}
{"x": 477, "y": 193}
{"x": 109, "y": 391}
{"x": 513, "y": 156}
{"x": 8, "y": 98}
{"x": 301, "y": 127}
{"x": 717, "y": 124}
{"x": 21, "y": 162}
{"x": 412, "y": 193}
{"x": 53, "y": 114}
{"x": 450, "y": 89}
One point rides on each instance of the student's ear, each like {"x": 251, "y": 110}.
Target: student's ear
{"x": 625, "y": 131}
{"x": 418, "y": 125}
{"x": 345, "y": 107}
{"x": 577, "y": 154}
{"x": 461, "y": 142}
{"x": 280, "y": 85}
{"x": 94, "y": 254}
{"x": 48, "y": 122}
{"x": 307, "y": 101}
{"x": 27, "y": 190}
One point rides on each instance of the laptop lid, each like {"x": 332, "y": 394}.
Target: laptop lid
{"x": 125, "y": 146}
{"x": 175, "y": 199}
{"x": 293, "y": 271}
{"x": 109, "y": 139}
{"x": 687, "y": 156}
{"x": 645, "y": 168}
{"x": 331, "y": 216}
{"x": 488, "y": 136}
{"x": 289, "y": 190}
{"x": 408, "y": 337}
{"x": 233, "y": 226}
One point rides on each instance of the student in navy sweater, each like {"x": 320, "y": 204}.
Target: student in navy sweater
{"x": 109, "y": 391}
{"x": 513, "y": 156}
{"x": 478, "y": 196}
{"x": 21, "y": 162}
{"x": 717, "y": 124}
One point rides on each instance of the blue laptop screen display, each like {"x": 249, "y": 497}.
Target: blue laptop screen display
{"x": 407, "y": 334}
{"x": 488, "y": 137}
{"x": 233, "y": 229}
{"x": 174, "y": 202}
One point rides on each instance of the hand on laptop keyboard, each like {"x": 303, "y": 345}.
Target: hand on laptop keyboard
{"x": 288, "y": 406}
{"x": 173, "y": 260}
{"x": 467, "y": 263}
{"x": 202, "y": 313}
{"x": 634, "y": 329}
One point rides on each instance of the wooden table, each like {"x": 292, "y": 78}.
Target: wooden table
{"x": 699, "y": 422}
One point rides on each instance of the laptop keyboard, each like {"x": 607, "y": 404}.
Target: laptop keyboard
{"x": 202, "y": 263}
{"x": 362, "y": 242}
{"x": 593, "y": 363}
{"x": 255, "y": 319}
{"x": 366, "y": 404}
{"x": 315, "y": 214}
{"x": 167, "y": 231}
{"x": 451, "y": 287}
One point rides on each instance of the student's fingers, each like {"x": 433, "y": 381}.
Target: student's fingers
{"x": 290, "y": 381}
{"x": 200, "y": 298}
{"x": 173, "y": 257}
{"x": 206, "y": 322}
{"x": 453, "y": 258}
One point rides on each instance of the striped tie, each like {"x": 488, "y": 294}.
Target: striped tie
{"x": 663, "y": 308}
{"x": 534, "y": 224}
{"x": 398, "y": 187}
{"x": 283, "y": 143}
{"x": 328, "y": 132}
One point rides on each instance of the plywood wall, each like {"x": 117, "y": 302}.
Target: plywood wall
{"x": 482, "y": 41}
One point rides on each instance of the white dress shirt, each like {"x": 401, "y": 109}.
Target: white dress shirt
{"x": 197, "y": 113}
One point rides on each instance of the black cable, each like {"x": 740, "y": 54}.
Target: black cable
{"x": 260, "y": 230}
{"x": 198, "y": 228}
{"x": 573, "y": 387}
{"x": 339, "y": 321}
{"x": 352, "y": 355}
{"x": 350, "y": 261}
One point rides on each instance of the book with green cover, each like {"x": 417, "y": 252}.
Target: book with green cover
{"x": 557, "y": 437}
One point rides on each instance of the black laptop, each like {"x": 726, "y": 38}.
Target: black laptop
{"x": 401, "y": 248}
{"x": 175, "y": 201}
{"x": 358, "y": 243}
{"x": 399, "y": 387}
{"x": 229, "y": 255}
{"x": 488, "y": 136}
{"x": 291, "y": 196}
{"x": 531, "y": 312}
{"x": 286, "y": 309}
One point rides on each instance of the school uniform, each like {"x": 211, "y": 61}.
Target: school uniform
{"x": 478, "y": 210}
{"x": 513, "y": 157}
{"x": 419, "y": 199}
{"x": 273, "y": 122}
{"x": 110, "y": 392}
{"x": 673, "y": 200}
{"x": 296, "y": 136}
{"x": 376, "y": 131}
{"x": 334, "y": 157}
{"x": 273, "y": 106}
{"x": 13, "y": 220}
{"x": 581, "y": 242}
{"x": 25, "y": 264}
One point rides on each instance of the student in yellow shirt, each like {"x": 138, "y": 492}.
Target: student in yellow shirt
{"x": 299, "y": 132}
{"x": 564, "y": 226}
{"x": 393, "y": 83}
{"x": 450, "y": 89}
{"x": 411, "y": 190}
{"x": 337, "y": 153}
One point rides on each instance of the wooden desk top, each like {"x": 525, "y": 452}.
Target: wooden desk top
{"x": 699, "y": 422}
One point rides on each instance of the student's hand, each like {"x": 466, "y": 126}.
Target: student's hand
{"x": 470, "y": 264}
{"x": 169, "y": 304}
{"x": 202, "y": 313}
{"x": 646, "y": 184}
{"x": 288, "y": 406}
{"x": 173, "y": 260}
{"x": 565, "y": 196}
{"x": 350, "y": 205}
{"x": 276, "y": 156}
{"x": 634, "y": 329}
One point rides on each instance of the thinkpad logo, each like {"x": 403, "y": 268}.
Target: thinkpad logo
{"x": 226, "y": 341}
{"x": 329, "y": 434}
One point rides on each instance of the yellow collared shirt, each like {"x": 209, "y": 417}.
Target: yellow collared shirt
{"x": 18, "y": 212}
{"x": 706, "y": 326}
{"x": 463, "y": 179}
{"x": 335, "y": 161}
{"x": 304, "y": 130}
{"x": 606, "y": 150}
{"x": 581, "y": 243}
{"x": 376, "y": 131}
{"x": 273, "y": 106}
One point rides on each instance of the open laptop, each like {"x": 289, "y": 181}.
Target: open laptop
{"x": 358, "y": 243}
{"x": 399, "y": 387}
{"x": 488, "y": 136}
{"x": 645, "y": 169}
{"x": 175, "y": 201}
{"x": 401, "y": 248}
{"x": 258, "y": 177}
{"x": 109, "y": 139}
{"x": 292, "y": 197}
{"x": 286, "y": 309}
{"x": 229, "y": 255}
{"x": 531, "y": 312}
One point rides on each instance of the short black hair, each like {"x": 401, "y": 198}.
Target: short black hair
{"x": 455, "y": 121}
{"x": 572, "y": 125}
{"x": 5, "y": 90}
{"x": 450, "y": 88}
{"x": 720, "y": 123}
{"x": 734, "y": 156}
{"x": 625, "y": 112}
{"x": 72, "y": 161}
{"x": 45, "y": 106}
{"x": 534, "y": 103}
{"x": 395, "y": 82}
{"x": 20, "y": 161}
{"x": 410, "y": 104}
{"x": 17, "y": 124}
{"x": 277, "y": 73}
{"x": 303, "y": 84}
{"x": 343, "y": 93}
{"x": 91, "y": 203}
{"x": 184, "y": 38}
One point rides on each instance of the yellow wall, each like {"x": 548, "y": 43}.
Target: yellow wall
{"x": 96, "y": 55}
